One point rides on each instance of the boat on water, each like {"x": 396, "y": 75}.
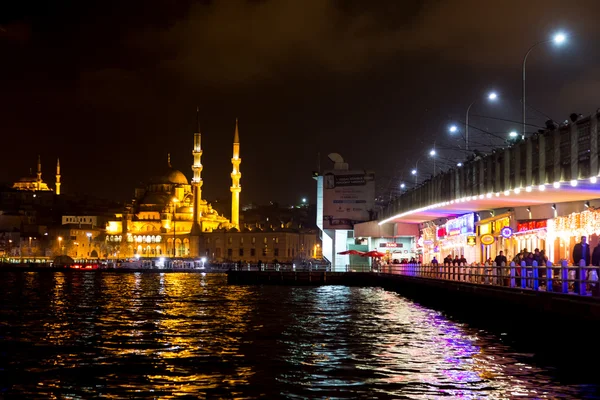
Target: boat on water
{"x": 143, "y": 263}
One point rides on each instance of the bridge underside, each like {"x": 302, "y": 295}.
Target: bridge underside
{"x": 584, "y": 190}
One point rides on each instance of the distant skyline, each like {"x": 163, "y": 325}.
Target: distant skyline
{"x": 111, "y": 87}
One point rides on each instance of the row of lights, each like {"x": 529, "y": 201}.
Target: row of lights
{"x": 541, "y": 188}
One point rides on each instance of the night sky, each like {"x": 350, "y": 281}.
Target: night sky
{"x": 111, "y": 87}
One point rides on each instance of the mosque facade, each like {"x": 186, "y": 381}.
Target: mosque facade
{"x": 169, "y": 218}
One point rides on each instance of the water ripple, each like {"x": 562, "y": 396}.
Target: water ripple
{"x": 91, "y": 334}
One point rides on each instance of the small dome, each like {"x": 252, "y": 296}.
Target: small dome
{"x": 171, "y": 176}
{"x": 28, "y": 179}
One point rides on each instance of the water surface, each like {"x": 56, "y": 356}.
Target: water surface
{"x": 149, "y": 335}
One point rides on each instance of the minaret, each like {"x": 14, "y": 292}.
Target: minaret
{"x": 39, "y": 173}
{"x": 57, "y": 176}
{"x": 235, "y": 179}
{"x": 197, "y": 179}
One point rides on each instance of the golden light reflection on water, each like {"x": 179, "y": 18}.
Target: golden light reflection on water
{"x": 92, "y": 334}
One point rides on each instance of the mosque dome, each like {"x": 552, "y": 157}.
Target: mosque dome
{"x": 171, "y": 176}
{"x": 28, "y": 179}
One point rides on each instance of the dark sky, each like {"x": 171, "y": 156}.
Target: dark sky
{"x": 111, "y": 87}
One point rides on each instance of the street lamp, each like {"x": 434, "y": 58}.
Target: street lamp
{"x": 402, "y": 186}
{"x": 558, "y": 39}
{"x": 60, "y": 244}
{"x": 453, "y": 129}
{"x": 432, "y": 154}
{"x": 491, "y": 96}
{"x": 175, "y": 200}
{"x": 513, "y": 134}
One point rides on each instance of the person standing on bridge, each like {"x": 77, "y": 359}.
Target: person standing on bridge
{"x": 500, "y": 258}
{"x": 581, "y": 251}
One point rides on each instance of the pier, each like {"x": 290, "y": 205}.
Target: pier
{"x": 534, "y": 293}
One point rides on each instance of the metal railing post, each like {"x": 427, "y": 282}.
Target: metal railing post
{"x": 523, "y": 275}
{"x": 582, "y": 278}
{"x": 512, "y": 275}
{"x": 549, "y": 274}
{"x": 536, "y": 282}
{"x": 564, "y": 275}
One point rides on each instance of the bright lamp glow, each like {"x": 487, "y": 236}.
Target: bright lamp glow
{"x": 593, "y": 179}
{"x": 542, "y": 188}
{"x": 304, "y": 200}
{"x": 559, "y": 38}
{"x": 453, "y": 129}
{"x": 414, "y": 172}
{"x": 492, "y": 96}
{"x": 432, "y": 153}
{"x": 556, "y": 185}
{"x": 459, "y": 164}
{"x": 517, "y": 190}
{"x": 402, "y": 185}
{"x": 574, "y": 182}
{"x": 513, "y": 134}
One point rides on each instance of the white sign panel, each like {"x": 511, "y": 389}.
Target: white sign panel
{"x": 348, "y": 198}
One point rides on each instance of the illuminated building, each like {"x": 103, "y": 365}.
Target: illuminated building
{"x": 35, "y": 182}
{"x": 168, "y": 210}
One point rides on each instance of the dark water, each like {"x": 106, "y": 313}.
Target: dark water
{"x": 84, "y": 335}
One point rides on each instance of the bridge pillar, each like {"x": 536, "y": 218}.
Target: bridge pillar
{"x": 506, "y": 176}
{"x": 528, "y": 162}
{"x": 574, "y": 152}
{"x": 481, "y": 177}
{"x": 594, "y": 145}
{"x": 541, "y": 160}
{"x": 517, "y": 151}
{"x": 556, "y": 169}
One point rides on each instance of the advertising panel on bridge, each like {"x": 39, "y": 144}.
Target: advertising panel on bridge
{"x": 461, "y": 225}
{"x": 348, "y": 198}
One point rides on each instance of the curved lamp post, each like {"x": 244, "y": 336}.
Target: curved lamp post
{"x": 491, "y": 96}
{"x": 558, "y": 39}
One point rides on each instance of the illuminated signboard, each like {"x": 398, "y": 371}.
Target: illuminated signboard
{"x": 501, "y": 223}
{"x": 487, "y": 239}
{"x": 525, "y": 226}
{"x": 441, "y": 232}
{"x": 471, "y": 240}
{"x": 506, "y": 232}
{"x": 461, "y": 225}
{"x": 391, "y": 244}
{"x": 485, "y": 229}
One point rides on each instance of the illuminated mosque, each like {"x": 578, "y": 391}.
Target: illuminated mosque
{"x": 169, "y": 209}
{"x": 35, "y": 183}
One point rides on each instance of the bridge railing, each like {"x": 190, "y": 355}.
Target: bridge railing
{"x": 580, "y": 280}
{"x": 281, "y": 267}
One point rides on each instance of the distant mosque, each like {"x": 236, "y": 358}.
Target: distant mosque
{"x": 35, "y": 183}
{"x": 169, "y": 209}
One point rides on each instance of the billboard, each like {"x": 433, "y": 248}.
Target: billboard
{"x": 461, "y": 225}
{"x": 348, "y": 198}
